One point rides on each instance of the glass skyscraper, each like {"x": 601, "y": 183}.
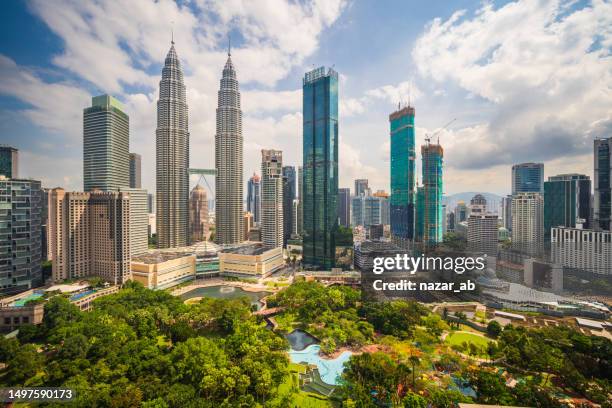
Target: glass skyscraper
{"x": 603, "y": 184}
{"x": 254, "y": 198}
{"x": 320, "y": 167}
{"x": 433, "y": 216}
{"x": 9, "y": 161}
{"x": 289, "y": 187}
{"x": 528, "y": 178}
{"x": 567, "y": 202}
{"x": 402, "y": 172}
{"x": 344, "y": 206}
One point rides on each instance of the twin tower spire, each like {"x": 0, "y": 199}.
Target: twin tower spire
{"x": 172, "y": 154}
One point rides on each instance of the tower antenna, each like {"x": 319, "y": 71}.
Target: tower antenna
{"x": 229, "y": 45}
{"x": 172, "y": 32}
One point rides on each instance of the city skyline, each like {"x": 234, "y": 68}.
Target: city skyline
{"x": 272, "y": 96}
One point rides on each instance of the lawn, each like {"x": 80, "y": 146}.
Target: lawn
{"x": 300, "y": 398}
{"x": 457, "y": 340}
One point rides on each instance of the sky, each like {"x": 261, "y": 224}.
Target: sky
{"x": 520, "y": 81}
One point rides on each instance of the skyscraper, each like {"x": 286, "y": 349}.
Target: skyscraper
{"x": 482, "y": 233}
{"x": 9, "y": 162}
{"x": 602, "y": 214}
{"x": 135, "y": 170}
{"x": 272, "y": 223}
{"x": 461, "y": 212}
{"x": 478, "y": 205}
{"x": 151, "y": 203}
{"x": 506, "y": 211}
{"x": 254, "y": 198}
{"x": 567, "y": 202}
{"x": 528, "y": 223}
{"x": 229, "y": 217}
{"x": 106, "y": 145}
{"x": 289, "y": 187}
{"x": 368, "y": 210}
{"x": 172, "y": 152}
{"x": 432, "y": 161}
{"x": 198, "y": 214}
{"x": 403, "y": 168}
{"x": 361, "y": 185}
{"x": 20, "y": 235}
{"x": 344, "y": 206}
{"x": 138, "y": 220}
{"x": 528, "y": 178}
{"x": 300, "y": 205}
{"x": 320, "y": 161}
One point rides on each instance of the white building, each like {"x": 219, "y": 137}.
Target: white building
{"x": 482, "y": 233}
{"x": 528, "y": 222}
{"x": 272, "y": 198}
{"x": 582, "y": 249}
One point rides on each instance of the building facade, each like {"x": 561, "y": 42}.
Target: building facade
{"x": 528, "y": 223}
{"x": 160, "y": 270}
{"x": 506, "y": 212}
{"x": 20, "y": 234}
{"x": 106, "y": 145}
{"x": 135, "y": 170}
{"x": 138, "y": 220}
{"x": 198, "y": 214}
{"x": 229, "y": 160}
{"x": 361, "y": 187}
{"x": 289, "y": 189}
{"x": 320, "y": 167}
{"x": 9, "y": 162}
{"x": 272, "y": 217}
{"x": 567, "y": 202}
{"x": 583, "y": 250}
{"x": 344, "y": 206}
{"x": 482, "y": 233}
{"x": 172, "y": 156}
{"x": 528, "y": 178}
{"x": 602, "y": 214}
{"x": 254, "y": 197}
{"x": 432, "y": 161}
{"x": 403, "y": 173}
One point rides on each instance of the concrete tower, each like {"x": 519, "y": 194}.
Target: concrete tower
{"x": 229, "y": 215}
{"x": 172, "y": 136}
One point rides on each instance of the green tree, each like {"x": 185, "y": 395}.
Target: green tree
{"x": 494, "y": 329}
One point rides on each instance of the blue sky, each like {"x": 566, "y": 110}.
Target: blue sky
{"x": 524, "y": 80}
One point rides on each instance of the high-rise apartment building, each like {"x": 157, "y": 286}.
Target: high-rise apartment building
{"x": 344, "y": 206}
{"x": 20, "y": 234}
{"x": 135, "y": 170}
{"x": 567, "y": 202}
{"x": 272, "y": 223}
{"x": 403, "y": 173}
{"x": 9, "y": 162}
{"x": 90, "y": 235}
{"x": 528, "y": 178}
{"x": 138, "y": 220}
{"x": 229, "y": 160}
{"x": 482, "y": 233}
{"x": 320, "y": 162}
{"x": 602, "y": 214}
{"x": 582, "y": 250}
{"x": 432, "y": 161}
{"x": 151, "y": 203}
{"x": 528, "y": 223}
{"x": 289, "y": 189}
{"x": 361, "y": 186}
{"x": 106, "y": 145}
{"x": 506, "y": 212}
{"x": 172, "y": 155}
{"x": 198, "y": 214}
{"x": 254, "y": 197}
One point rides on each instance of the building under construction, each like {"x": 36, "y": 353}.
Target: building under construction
{"x": 429, "y": 196}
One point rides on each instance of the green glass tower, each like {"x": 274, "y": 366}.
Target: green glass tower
{"x": 432, "y": 159}
{"x": 567, "y": 202}
{"x": 320, "y": 167}
{"x": 402, "y": 172}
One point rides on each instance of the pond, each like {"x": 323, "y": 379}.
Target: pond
{"x": 330, "y": 370}
{"x": 225, "y": 292}
{"x": 299, "y": 339}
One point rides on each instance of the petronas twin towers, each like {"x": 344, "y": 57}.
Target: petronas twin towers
{"x": 172, "y": 151}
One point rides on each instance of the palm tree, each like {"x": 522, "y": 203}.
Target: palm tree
{"x": 414, "y": 361}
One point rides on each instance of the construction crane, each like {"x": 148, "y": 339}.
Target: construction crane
{"x": 428, "y": 137}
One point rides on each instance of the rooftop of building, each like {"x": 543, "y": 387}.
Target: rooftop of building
{"x": 159, "y": 256}
{"x": 249, "y": 249}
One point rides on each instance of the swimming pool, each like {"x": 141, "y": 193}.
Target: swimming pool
{"x": 330, "y": 370}
{"x": 21, "y": 302}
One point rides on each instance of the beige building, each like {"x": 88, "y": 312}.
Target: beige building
{"x": 249, "y": 223}
{"x": 89, "y": 234}
{"x": 272, "y": 198}
{"x": 198, "y": 214}
{"x": 163, "y": 269}
{"x": 254, "y": 261}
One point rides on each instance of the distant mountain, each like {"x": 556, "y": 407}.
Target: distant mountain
{"x": 493, "y": 200}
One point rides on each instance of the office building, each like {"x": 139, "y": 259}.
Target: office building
{"x": 21, "y": 202}
{"x": 461, "y": 212}
{"x": 478, "y": 205}
{"x": 249, "y": 223}
{"x": 367, "y": 210}
{"x": 403, "y": 173}
{"x": 376, "y": 232}
{"x": 172, "y": 155}
{"x": 344, "y": 206}
{"x": 506, "y": 212}
{"x": 272, "y": 219}
{"x": 162, "y": 269}
{"x": 289, "y": 190}
{"x": 385, "y": 210}
{"x": 151, "y": 203}
{"x": 90, "y": 235}
{"x": 482, "y": 233}
{"x": 229, "y": 160}
{"x": 567, "y": 202}
{"x": 138, "y": 220}
{"x": 432, "y": 161}
{"x": 602, "y": 214}
{"x": 528, "y": 178}
{"x": 296, "y": 218}
{"x": 300, "y": 209}
{"x": 106, "y": 145}
{"x": 254, "y": 197}
{"x": 361, "y": 187}
{"x": 9, "y": 162}
{"x": 135, "y": 170}
{"x": 320, "y": 163}
{"x": 582, "y": 250}
{"x": 198, "y": 214}
{"x": 528, "y": 223}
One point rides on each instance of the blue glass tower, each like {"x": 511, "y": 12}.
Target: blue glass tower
{"x": 402, "y": 172}
{"x": 320, "y": 170}
{"x": 567, "y": 202}
{"x": 528, "y": 178}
